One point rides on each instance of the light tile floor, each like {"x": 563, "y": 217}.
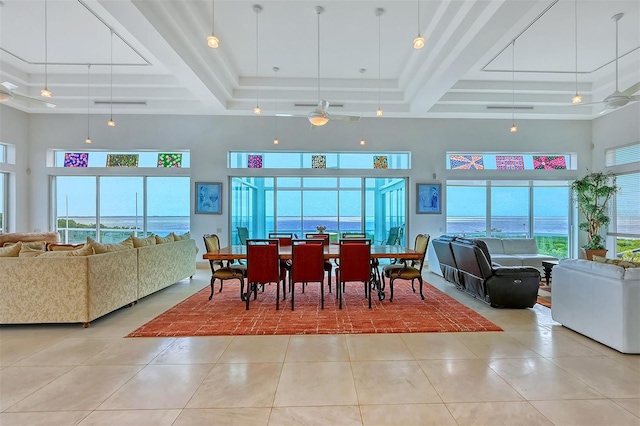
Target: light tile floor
{"x": 534, "y": 373}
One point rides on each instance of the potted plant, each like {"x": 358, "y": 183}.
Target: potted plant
{"x": 592, "y": 194}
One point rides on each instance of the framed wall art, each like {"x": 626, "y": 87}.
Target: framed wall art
{"x": 429, "y": 198}
{"x": 208, "y": 198}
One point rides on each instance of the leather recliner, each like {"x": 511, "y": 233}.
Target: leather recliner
{"x": 448, "y": 266}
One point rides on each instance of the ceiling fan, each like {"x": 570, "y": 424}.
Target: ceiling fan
{"x": 618, "y": 99}
{"x": 8, "y": 92}
{"x": 320, "y": 116}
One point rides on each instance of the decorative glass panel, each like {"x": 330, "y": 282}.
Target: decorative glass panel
{"x": 380, "y": 162}
{"x": 549, "y": 162}
{"x": 76, "y": 159}
{"x": 122, "y": 160}
{"x": 466, "y": 162}
{"x": 254, "y": 161}
{"x": 319, "y": 161}
{"x": 170, "y": 160}
{"x": 509, "y": 162}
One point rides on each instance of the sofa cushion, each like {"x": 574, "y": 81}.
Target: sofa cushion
{"x": 26, "y": 251}
{"x": 50, "y": 237}
{"x": 11, "y": 251}
{"x": 36, "y": 245}
{"x": 185, "y": 236}
{"x": 494, "y": 245}
{"x": 506, "y": 260}
{"x": 163, "y": 240}
{"x": 85, "y": 250}
{"x": 143, "y": 242}
{"x": 99, "y": 248}
{"x": 520, "y": 246}
{"x": 63, "y": 247}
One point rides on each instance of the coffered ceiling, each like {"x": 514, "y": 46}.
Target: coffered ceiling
{"x": 162, "y": 65}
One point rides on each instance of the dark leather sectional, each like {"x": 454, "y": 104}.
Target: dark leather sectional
{"x": 467, "y": 264}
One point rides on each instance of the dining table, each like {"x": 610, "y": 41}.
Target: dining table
{"x": 331, "y": 251}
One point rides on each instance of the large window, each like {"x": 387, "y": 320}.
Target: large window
{"x": 300, "y": 204}
{"x": 625, "y": 224}
{"x": 114, "y": 207}
{"x": 511, "y": 209}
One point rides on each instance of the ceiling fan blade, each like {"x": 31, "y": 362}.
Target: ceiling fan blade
{"x": 33, "y": 101}
{"x": 290, "y": 115}
{"x": 588, "y": 103}
{"x": 344, "y": 117}
{"x": 635, "y": 98}
{"x": 9, "y": 86}
{"x": 631, "y": 90}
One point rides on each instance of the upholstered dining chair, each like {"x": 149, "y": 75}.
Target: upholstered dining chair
{"x": 284, "y": 238}
{"x": 355, "y": 265}
{"x": 243, "y": 234}
{"x": 307, "y": 265}
{"x": 220, "y": 270}
{"x": 263, "y": 266}
{"x": 408, "y": 269}
{"x": 328, "y": 266}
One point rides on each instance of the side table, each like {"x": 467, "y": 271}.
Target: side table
{"x": 548, "y": 266}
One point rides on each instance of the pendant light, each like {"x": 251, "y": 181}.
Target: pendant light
{"x": 379, "y": 12}
{"x": 418, "y": 42}
{"x": 213, "y": 41}
{"x": 257, "y": 9}
{"x": 275, "y": 81}
{"x": 513, "y": 128}
{"x": 45, "y": 93}
{"x": 576, "y": 98}
{"x": 362, "y": 71}
{"x": 88, "y": 140}
{"x": 318, "y": 117}
{"x": 111, "y": 123}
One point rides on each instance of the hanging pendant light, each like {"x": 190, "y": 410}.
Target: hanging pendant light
{"x": 513, "y": 128}
{"x": 379, "y": 12}
{"x": 88, "y": 140}
{"x": 111, "y": 123}
{"x": 318, "y": 117}
{"x": 257, "y": 9}
{"x": 576, "y": 98}
{"x": 362, "y": 71}
{"x": 418, "y": 42}
{"x": 45, "y": 93}
{"x": 275, "y": 81}
{"x": 213, "y": 41}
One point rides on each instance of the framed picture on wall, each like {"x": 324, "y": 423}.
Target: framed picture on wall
{"x": 208, "y": 198}
{"x": 429, "y": 198}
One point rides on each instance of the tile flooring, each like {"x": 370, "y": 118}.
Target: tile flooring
{"x": 534, "y": 373}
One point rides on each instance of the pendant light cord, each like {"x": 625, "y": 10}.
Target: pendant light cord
{"x": 318, "y": 52}
{"x": 379, "y": 15}
{"x": 576, "y": 40}
{"x": 111, "y": 90}
{"x": 257, "y": 59}
{"x": 513, "y": 80}
{"x": 46, "y": 60}
{"x": 88, "y": 100}
{"x": 617, "y": 52}
{"x": 418, "y": 17}
{"x": 213, "y": 15}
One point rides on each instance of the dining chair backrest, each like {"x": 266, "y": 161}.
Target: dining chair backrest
{"x": 284, "y": 238}
{"x": 211, "y": 244}
{"x": 355, "y": 259}
{"x": 263, "y": 262}
{"x": 243, "y": 234}
{"x": 323, "y": 237}
{"x": 307, "y": 260}
{"x": 358, "y": 235}
{"x": 394, "y": 234}
{"x": 420, "y": 245}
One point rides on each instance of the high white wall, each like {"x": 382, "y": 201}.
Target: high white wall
{"x": 620, "y": 127}
{"x": 210, "y": 138}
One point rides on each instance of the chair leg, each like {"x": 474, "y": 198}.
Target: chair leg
{"x": 292, "y": 290}
{"x": 322, "y": 293}
{"x": 329, "y": 272}
{"x": 213, "y": 280}
{"x": 391, "y": 287}
{"x": 221, "y": 284}
{"x": 247, "y": 295}
{"x": 278, "y": 296}
{"x": 369, "y": 287}
{"x": 420, "y": 280}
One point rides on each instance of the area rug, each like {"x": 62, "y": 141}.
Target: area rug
{"x": 226, "y": 315}
{"x": 544, "y": 295}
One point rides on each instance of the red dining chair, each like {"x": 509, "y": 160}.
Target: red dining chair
{"x": 223, "y": 271}
{"x": 263, "y": 266}
{"x": 284, "y": 238}
{"x": 355, "y": 265}
{"x": 307, "y": 265}
{"x": 328, "y": 266}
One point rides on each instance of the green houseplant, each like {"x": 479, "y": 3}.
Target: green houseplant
{"x": 592, "y": 193}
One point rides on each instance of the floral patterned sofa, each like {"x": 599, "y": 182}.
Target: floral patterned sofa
{"x": 82, "y": 288}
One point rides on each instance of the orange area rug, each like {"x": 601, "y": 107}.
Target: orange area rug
{"x": 225, "y": 314}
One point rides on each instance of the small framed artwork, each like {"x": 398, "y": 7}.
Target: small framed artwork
{"x": 429, "y": 199}
{"x": 208, "y": 198}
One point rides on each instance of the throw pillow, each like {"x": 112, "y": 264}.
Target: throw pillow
{"x": 185, "y": 236}
{"x": 99, "y": 248}
{"x": 36, "y": 245}
{"x": 11, "y": 251}
{"x": 162, "y": 240}
{"x": 622, "y": 263}
{"x": 143, "y": 242}
{"x": 86, "y": 250}
{"x": 63, "y": 247}
{"x": 27, "y": 251}
{"x": 599, "y": 259}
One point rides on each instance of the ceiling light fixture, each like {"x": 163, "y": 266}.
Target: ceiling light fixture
{"x": 45, "y": 93}
{"x": 275, "y": 82}
{"x": 379, "y": 12}
{"x": 362, "y": 71}
{"x": 318, "y": 117}
{"x": 257, "y": 9}
{"x": 88, "y": 140}
{"x": 513, "y": 128}
{"x": 576, "y": 98}
{"x": 418, "y": 42}
{"x": 111, "y": 123}
{"x": 213, "y": 41}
